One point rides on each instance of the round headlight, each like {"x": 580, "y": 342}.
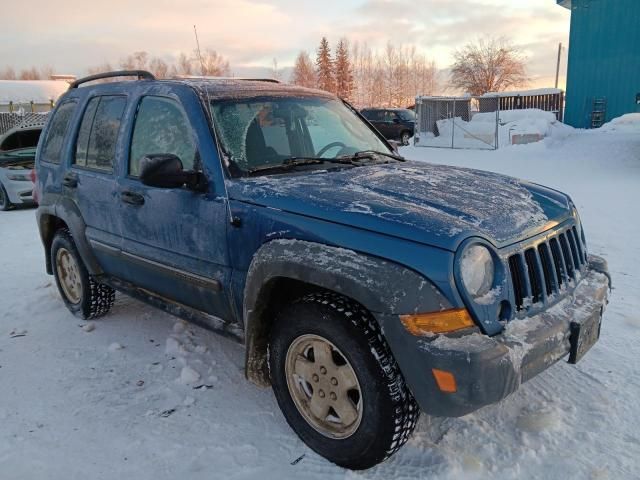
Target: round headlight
{"x": 477, "y": 270}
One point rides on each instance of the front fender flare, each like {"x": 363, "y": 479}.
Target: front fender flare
{"x": 378, "y": 285}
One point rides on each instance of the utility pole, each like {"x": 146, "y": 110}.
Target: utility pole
{"x": 558, "y": 64}
{"x": 200, "y": 55}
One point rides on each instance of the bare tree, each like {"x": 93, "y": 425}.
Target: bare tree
{"x": 185, "y": 65}
{"x": 30, "y": 74}
{"x": 8, "y": 73}
{"x": 488, "y": 65}
{"x": 160, "y": 68}
{"x": 303, "y": 73}
{"x": 343, "y": 70}
{"x": 135, "y": 61}
{"x": 392, "y": 78}
{"x": 214, "y": 64}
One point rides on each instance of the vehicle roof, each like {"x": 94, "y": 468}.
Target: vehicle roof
{"x": 227, "y": 88}
{"x": 219, "y": 89}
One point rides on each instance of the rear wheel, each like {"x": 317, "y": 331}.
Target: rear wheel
{"x": 81, "y": 293}
{"x": 5, "y": 203}
{"x": 337, "y": 383}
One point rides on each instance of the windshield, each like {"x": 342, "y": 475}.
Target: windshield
{"x": 407, "y": 115}
{"x": 271, "y": 130}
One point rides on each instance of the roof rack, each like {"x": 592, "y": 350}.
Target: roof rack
{"x": 204, "y": 77}
{"x": 141, "y": 74}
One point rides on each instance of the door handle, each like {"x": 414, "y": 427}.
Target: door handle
{"x": 70, "y": 180}
{"x": 132, "y": 198}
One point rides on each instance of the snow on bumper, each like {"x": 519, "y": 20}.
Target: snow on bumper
{"x": 487, "y": 369}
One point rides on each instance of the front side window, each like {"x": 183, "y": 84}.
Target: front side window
{"x": 52, "y": 147}
{"x": 161, "y": 127}
{"x": 269, "y": 131}
{"x": 389, "y": 116}
{"x": 98, "y": 135}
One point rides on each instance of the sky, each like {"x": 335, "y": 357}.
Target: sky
{"x": 73, "y": 35}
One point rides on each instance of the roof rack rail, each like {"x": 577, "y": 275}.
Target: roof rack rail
{"x": 205, "y": 77}
{"x": 141, "y": 74}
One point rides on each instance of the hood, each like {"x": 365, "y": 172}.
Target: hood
{"x": 432, "y": 204}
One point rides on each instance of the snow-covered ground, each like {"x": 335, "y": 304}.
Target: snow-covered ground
{"x": 141, "y": 395}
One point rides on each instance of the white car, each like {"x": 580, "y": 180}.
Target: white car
{"x": 17, "y": 154}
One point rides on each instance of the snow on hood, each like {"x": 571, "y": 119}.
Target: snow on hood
{"x": 433, "y": 204}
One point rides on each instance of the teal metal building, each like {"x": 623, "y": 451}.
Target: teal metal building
{"x": 603, "y": 79}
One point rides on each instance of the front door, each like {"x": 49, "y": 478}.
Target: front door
{"x": 173, "y": 239}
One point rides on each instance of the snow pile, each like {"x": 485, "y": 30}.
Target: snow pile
{"x": 629, "y": 123}
{"x": 36, "y": 91}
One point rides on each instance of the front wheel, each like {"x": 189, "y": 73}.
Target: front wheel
{"x": 405, "y": 137}
{"x": 81, "y": 293}
{"x": 337, "y": 383}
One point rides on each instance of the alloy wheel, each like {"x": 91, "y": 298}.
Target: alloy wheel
{"x": 69, "y": 275}
{"x": 324, "y": 386}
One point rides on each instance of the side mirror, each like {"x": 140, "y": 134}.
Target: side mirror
{"x": 165, "y": 170}
{"x": 396, "y": 120}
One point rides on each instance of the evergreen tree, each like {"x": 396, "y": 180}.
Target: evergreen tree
{"x": 303, "y": 73}
{"x": 324, "y": 67}
{"x": 343, "y": 71}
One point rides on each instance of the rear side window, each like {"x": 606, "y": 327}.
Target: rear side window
{"x": 57, "y": 132}
{"x": 376, "y": 115}
{"x": 161, "y": 127}
{"x": 98, "y": 135}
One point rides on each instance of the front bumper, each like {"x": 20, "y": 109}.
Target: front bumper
{"x": 487, "y": 369}
{"x": 19, "y": 192}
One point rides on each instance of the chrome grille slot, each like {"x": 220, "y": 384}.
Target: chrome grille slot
{"x": 547, "y": 268}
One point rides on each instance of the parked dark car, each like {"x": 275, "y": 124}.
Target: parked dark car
{"x": 365, "y": 287}
{"x": 393, "y": 123}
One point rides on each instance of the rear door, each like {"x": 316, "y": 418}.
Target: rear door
{"x": 377, "y": 120}
{"x": 174, "y": 239}
{"x": 91, "y": 180}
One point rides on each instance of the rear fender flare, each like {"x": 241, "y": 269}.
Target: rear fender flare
{"x": 49, "y": 218}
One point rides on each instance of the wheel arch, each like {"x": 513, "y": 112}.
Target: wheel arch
{"x": 283, "y": 270}
{"x": 65, "y": 214}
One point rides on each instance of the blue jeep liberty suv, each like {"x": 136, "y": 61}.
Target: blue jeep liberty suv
{"x": 366, "y": 288}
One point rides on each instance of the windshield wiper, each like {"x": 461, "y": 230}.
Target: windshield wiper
{"x": 351, "y": 159}
{"x": 370, "y": 154}
{"x": 293, "y": 162}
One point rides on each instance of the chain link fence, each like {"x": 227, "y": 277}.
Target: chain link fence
{"x": 456, "y": 122}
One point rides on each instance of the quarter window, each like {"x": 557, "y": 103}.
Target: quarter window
{"x": 98, "y": 135}
{"x": 161, "y": 127}
{"x": 57, "y": 132}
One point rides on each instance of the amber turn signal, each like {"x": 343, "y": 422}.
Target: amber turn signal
{"x": 422, "y": 324}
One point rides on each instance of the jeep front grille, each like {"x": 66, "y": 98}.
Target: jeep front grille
{"x": 548, "y": 268}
